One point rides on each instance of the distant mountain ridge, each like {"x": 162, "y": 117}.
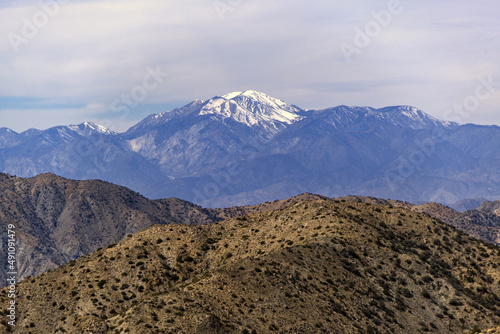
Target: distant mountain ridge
{"x": 247, "y": 147}
{"x": 467, "y": 204}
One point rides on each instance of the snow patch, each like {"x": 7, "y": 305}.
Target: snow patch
{"x": 254, "y": 109}
{"x": 231, "y": 95}
{"x": 89, "y": 127}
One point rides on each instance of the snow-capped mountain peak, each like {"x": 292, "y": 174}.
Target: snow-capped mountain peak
{"x": 254, "y": 109}
{"x": 256, "y": 96}
{"x": 231, "y": 95}
{"x": 87, "y": 128}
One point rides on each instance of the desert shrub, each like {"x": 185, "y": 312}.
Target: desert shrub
{"x": 456, "y": 302}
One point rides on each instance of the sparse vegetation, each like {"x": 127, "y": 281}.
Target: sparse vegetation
{"x": 320, "y": 267}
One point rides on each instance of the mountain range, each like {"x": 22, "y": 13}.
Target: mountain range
{"x": 247, "y": 148}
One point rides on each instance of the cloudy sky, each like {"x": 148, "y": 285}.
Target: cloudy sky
{"x": 116, "y": 61}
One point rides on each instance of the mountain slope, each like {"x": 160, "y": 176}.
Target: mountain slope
{"x": 316, "y": 267}
{"x": 395, "y": 152}
{"x": 257, "y": 110}
{"x": 84, "y": 151}
{"x": 58, "y": 220}
{"x": 482, "y": 222}
{"x": 434, "y": 210}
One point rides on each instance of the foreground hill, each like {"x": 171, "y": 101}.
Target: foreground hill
{"x": 58, "y": 220}
{"x": 482, "y": 223}
{"x": 237, "y": 211}
{"x": 323, "y": 266}
{"x": 435, "y": 210}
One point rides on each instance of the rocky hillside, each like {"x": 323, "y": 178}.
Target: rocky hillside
{"x": 495, "y": 330}
{"x": 237, "y": 211}
{"x": 435, "y": 210}
{"x": 321, "y": 266}
{"x": 58, "y": 220}
{"x": 482, "y": 223}
{"x": 493, "y": 207}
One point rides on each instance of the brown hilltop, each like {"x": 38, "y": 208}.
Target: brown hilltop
{"x": 435, "y": 210}
{"x": 58, "y": 220}
{"x": 324, "y": 266}
{"x": 482, "y": 223}
{"x": 267, "y": 206}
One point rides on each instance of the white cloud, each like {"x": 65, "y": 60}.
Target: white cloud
{"x": 430, "y": 55}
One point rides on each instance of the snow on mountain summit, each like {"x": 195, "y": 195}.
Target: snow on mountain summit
{"x": 89, "y": 128}
{"x": 255, "y": 96}
{"x": 231, "y": 95}
{"x": 267, "y": 116}
{"x": 254, "y": 109}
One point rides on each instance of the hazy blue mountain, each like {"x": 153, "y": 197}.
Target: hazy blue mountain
{"x": 247, "y": 148}
{"x": 467, "y": 204}
{"x": 7, "y": 137}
